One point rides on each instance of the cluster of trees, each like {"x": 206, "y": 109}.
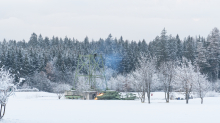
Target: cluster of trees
{"x": 43, "y": 61}
{"x": 171, "y": 76}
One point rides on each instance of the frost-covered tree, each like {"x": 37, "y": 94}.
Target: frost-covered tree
{"x": 59, "y": 89}
{"x": 82, "y": 85}
{"x": 145, "y": 77}
{"x": 201, "y": 84}
{"x": 109, "y": 73}
{"x": 217, "y": 86}
{"x": 118, "y": 82}
{"x": 124, "y": 82}
{"x": 166, "y": 77}
{"x": 41, "y": 82}
{"x": 140, "y": 87}
{"x": 6, "y": 89}
{"x": 33, "y": 40}
{"x": 112, "y": 83}
{"x": 179, "y": 52}
{"x": 41, "y": 40}
{"x": 185, "y": 77}
{"x": 189, "y": 48}
{"x": 162, "y": 48}
{"x": 100, "y": 83}
{"x": 213, "y": 53}
{"x": 201, "y": 57}
{"x": 172, "y": 49}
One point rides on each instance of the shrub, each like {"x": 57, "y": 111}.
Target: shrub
{"x": 212, "y": 94}
{"x": 130, "y": 96}
{"x": 110, "y": 95}
{"x": 114, "y": 95}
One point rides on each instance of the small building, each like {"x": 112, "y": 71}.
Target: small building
{"x": 85, "y": 95}
{"x": 89, "y": 95}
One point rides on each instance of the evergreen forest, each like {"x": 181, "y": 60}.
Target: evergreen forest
{"x": 43, "y": 60}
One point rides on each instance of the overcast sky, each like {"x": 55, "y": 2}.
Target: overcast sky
{"x": 132, "y": 19}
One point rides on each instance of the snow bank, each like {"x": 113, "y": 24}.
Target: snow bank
{"x": 32, "y": 95}
{"x": 212, "y": 94}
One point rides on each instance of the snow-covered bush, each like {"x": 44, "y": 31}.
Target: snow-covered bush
{"x": 212, "y": 94}
{"x": 6, "y": 89}
{"x": 59, "y": 89}
{"x": 40, "y": 81}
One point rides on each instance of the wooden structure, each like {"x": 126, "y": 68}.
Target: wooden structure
{"x": 89, "y": 95}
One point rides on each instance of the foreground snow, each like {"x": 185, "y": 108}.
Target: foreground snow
{"x": 41, "y": 107}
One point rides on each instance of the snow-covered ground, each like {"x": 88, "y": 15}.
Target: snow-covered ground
{"x": 42, "y": 107}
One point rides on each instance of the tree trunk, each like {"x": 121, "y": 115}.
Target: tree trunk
{"x": 148, "y": 97}
{"x": 143, "y": 98}
{"x": 187, "y": 98}
{"x": 2, "y": 112}
{"x": 201, "y": 100}
{"x": 168, "y": 97}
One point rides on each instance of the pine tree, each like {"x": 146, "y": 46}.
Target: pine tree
{"x": 179, "y": 48}
{"x": 46, "y": 42}
{"x": 33, "y": 40}
{"x": 213, "y": 53}
{"x": 25, "y": 67}
{"x": 162, "y": 50}
{"x": 201, "y": 58}
{"x": 189, "y": 49}
{"x": 41, "y": 41}
{"x": 172, "y": 49}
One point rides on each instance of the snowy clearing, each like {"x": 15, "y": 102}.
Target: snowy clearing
{"x": 42, "y": 107}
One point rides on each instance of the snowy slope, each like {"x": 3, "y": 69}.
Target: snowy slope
{"x": 41, "y": 107}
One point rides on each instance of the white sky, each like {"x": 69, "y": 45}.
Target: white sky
{"x": 132, "y": 19}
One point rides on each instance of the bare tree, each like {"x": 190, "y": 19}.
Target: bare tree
{"x": 6, "y": 89}
{"x": 166, "y": 75}
{"x": 185, "y": 77}
{"x": 140, "y": 87}
{"x": 144, "y": 77}
{"x": 59, "y": 89}
{"x": 201, "y": 85}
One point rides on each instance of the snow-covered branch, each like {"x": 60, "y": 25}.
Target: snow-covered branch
{"x": 145, "y": 77}
{"x": 6, "y": 88}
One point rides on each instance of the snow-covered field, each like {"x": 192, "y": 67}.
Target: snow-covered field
{"x": 42, "y": 107}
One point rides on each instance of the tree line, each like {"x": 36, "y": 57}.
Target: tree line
{"x": 43, "y": 60}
